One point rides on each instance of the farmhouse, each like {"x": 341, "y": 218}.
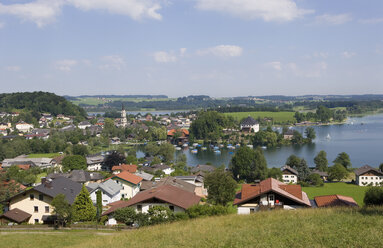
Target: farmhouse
{"x": 270, "y": 194}
{"x": 249, "y": 125}
{"x": 289, "y": 175}
{"x": 367, "y": 175}
{"x": 94, "y": 163}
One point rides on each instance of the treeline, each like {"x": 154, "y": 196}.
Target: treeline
{"x": 352, "y": 107}
{"x": 262, "y": 108}
{"x": 39, "y": 102}
{"x": 322, "y": 114}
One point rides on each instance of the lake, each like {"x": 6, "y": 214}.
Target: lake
{"x": 360, "y": 137}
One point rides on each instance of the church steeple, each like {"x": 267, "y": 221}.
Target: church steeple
{"x": 124, "y": 121}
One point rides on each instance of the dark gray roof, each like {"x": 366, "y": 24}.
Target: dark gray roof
{"x": 249, "y": 121}
{"x": 203, "y": 168}
{"x": 286, "y": 167}
{"x": 60, "y": 185}
{"x": 110, "y": 187}
{"x": 367, "y": 168}
{"x": 320, "y": 173}
{"x": 79, "y": 176}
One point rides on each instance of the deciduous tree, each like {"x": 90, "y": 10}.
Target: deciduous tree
{"x": 221, "y": 187}
{"x": 321, "y": 162}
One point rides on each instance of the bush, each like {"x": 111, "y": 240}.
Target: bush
{"x": 374, "y": 196}
{"x": 160, "y": 214}
{"x": 125, "y": 215}
{"x": 207, "y": 210}
{"x": 315, "y": 180}
{"x": 181, "y": 216}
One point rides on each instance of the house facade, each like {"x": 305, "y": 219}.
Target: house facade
{"x": 110, "y": 191}
{"x": 24, "y": 127}
{"x": 249, "y": 125}
{"x": 270, "y": 194}
{"x": 129, "y": 182}
{"x": 368, "y": 176}
{"x": 94, "y": 163}
{"x": 289, "y": 175}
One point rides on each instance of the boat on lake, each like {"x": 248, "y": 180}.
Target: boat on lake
{"x": 194, "y": 151}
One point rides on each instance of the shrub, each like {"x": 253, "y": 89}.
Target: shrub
{"x": 181, "y": 216}
{"x": 315, "y": 180}
{"x": 207, "y": 210}
{"x": 160, "y": 214}
{"x": 374, "y": 196}
{"x": 125, "y": 215}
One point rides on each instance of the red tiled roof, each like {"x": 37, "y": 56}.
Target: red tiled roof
{"x": 166, "y": 193}
{"x": 184, "y": 132}
{"x": 132, "y": 168}
{"x": 293, "y": 192}
{"x": 335, "y": 200}
{"x": 127, "y": 176}
{"x": 24, "y": 166}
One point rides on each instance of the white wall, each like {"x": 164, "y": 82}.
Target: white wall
{"x": 289, "y": 178}
{"x": 367, "y": 180}
{"x": 106, "y": 199}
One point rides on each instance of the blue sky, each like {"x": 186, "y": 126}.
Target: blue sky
{"x": 183, "y": 47}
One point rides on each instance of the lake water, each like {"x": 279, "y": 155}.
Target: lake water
{"x": 361, "y": 138}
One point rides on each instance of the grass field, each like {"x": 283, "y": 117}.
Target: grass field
{"x": 43, "y": 155}
{"x": 302, "y": 228}
{"x": 340, "y": 188}
{"x": 280, "y": 117}
{"x": 97, "y": 101}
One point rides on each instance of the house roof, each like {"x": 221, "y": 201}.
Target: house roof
{"x": 79, "y": 176}
{"x": 184, "y": 132}
{"x": 169, "y": 181}
{"x": 293, "y": 192}
{"x": 24, "y": 166}
{"x": 291, "y": 170}
{"x": 109, "y": 186}
{"x": 132, "y": 168}
{"x": 249, "y": 121}
{"x": 366, "y": 168}
{"x": 127, "y": 176}
{"x": 60, "y": 185}
{"x": 335, "y": 200}
{"x": 16, "y": 215}
{"x": 145, "y": 176}
{"x": 203, "y": 168}
{"x": 166, "y": 193}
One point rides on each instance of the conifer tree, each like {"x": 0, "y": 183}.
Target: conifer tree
{"x": 83, "y": 208}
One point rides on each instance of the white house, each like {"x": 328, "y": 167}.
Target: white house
{"x": 368, "y": 176}
{"x": 84, "y": 124}
{"x": 94, "y": 163}
{"x": 198, "y": 181}
{"x": 176, "y": 199}
{"x": 270, "y": 194}
{"x": 249, "y": 125}
{"x": 289, "y": 175}
{"x": 129, "y": 182}
{"x": 24, "y": 127}
{"x": 110, "y": 191}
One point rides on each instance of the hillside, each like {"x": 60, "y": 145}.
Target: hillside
{"x": 39, "y": 102}
{"x": 303, "y": 228}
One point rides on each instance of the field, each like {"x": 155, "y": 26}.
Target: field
{"x": 96, "y": 101}
{"x": 339, "y": 188}
{"x": 279, "y": 117}
{"x": 43, "y": 155}
{"x": 302, "y": 228}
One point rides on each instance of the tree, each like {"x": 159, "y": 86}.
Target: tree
{"x": 248, "y": 164}
{"x": 159, "y": 214}
{"x": 209, "y": 125}
{"x": 275, "y": 173}
{"x": 293, "y": 161}
{"x": 300, "y": 165}
{"x": 321, "y": 162}
{"x": 381, "y": 167}
{"x": 74, "y": 162}
{"x": 343, "y": 159}
{"x": 167, "y": 152}
{"x": 220, "y": 186}
{"x": 315, "y": 180}
{"x": 297, "y": 137}
{"x": 337, "y": 172}
{"x": 62, "y": 209}
{"x": 373, "y": 196}
{"x": 152, "y": 149}
{"x": 98, "y": 204}
{"x": 323, "y": 114}
{"x": 310, "y": 134}
{"x": 80, "y": 150}
{"x": 125, "y": 215}
{"x": 115, "y": 158}
{"x": 82, "y": 208}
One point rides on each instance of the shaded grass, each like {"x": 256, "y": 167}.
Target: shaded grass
{"x": 280, "y": 117}
{"x": 302, "y": 228}
{"x": 340, "y": 188}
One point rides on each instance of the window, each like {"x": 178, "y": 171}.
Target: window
{"x": 377, "y": 178}
{"x": 36, "y": 221}
{"x": 41, "y": 197}
{"x": 171, "y": 208}
{"x": 46, "y": 209}
{"x": 36, "y": 208}
{"x": 31, "y": 197}
{"x": 139, "y": 208}
{"x": 271, "y": 198}
{"x": 252, "y": 210}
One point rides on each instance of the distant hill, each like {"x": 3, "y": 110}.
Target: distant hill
{"x": 39, "y": 102}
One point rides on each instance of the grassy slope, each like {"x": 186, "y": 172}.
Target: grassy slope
{"x": 303, "y": 228}
{"x": 277, "y": 116}
{"x": 340, "y": 188}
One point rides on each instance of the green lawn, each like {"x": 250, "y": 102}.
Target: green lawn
{"x": 340, "y": 188}
{"x": 301, "y": 228}
{"x": 44, "y": 155}
{"x": 280, "y": 117}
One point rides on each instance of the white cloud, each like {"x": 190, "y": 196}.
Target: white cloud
{"x": 43, "y": 12}
{"x": 307, "y": 71}
{"x": 277, "y": 65}
{"x": 113, "y": 62}
{"x": 2, "y": 24}
{"x": 65, "y": 65}
{"x": 222, "y": 51}
{"x": 268, "y": 10}
{"x": 321, "y": 55}
{"x": 333, "y": 19}
{"x": 371, "y": 21}
{"x": 182, "y": 52}
{"x": 40, "y": 12}
{"x": 348, "y": 55}
{"x": 164, "y": 57}
{"x": 12, "y": 68}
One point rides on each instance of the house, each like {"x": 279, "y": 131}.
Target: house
{"x": 323, "y": 175}
{"x": 24, "y": 127}
{"x": 115, "y": 141}
{"x": 37, "y": 200}
{"x": 198, "y": 181}
{"x": 174, "y": 198}
{"x": 289, "y": 134}
{"x": 84, "y": 124}
{"x": 202, "y": 169}
{"x": 178, "y": 136}
{"x": 169, "y": 181}
{"x": 94, "y": 163}
{"x": 334, "y": 201}
{"x": 249, "y": 125}
{"x": 23, "y": 159}
{"x": 129, "y": 182}
{"x": 289, "y": 175}
{"x": 367, "y": 175}
{"x": 110, "y": 191}
{"x": 270, "y": 194}
{"x": 132, "y": 168}
{"x": 145, "y": 176}
{"x": 15, "y": 216}
{"x": 162, "y": 167}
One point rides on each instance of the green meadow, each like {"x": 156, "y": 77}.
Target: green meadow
{"x": 279, "y": 117}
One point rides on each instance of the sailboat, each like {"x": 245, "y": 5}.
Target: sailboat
{"x": 328, "y": 136}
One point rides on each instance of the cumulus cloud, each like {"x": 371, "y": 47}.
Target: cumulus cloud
{"x": 65, "y": 65}
{"x": 164, "y": 57}
{"x": 43, "y": 12}
{"x": 348, "y": 55}
{"x": 333, "y": 19}
{"x": 13, "y": 68}
{"x": 371, "y": 21}
{"x": 222, "y": 51}
{"x": 268, "y": 10}
{"x": 112, "y": 62}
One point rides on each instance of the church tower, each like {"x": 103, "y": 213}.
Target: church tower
{"x": 124, "y": 121}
